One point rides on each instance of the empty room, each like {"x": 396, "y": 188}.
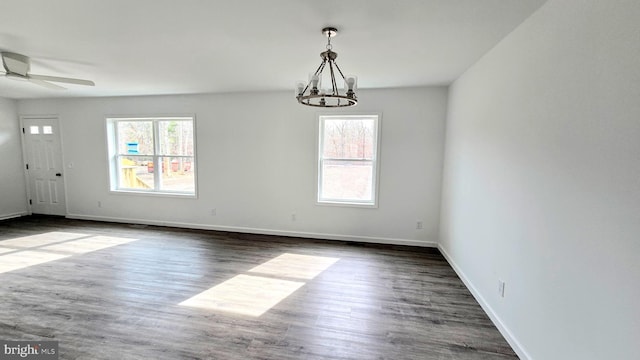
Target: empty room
{"x": 210, "y": 180}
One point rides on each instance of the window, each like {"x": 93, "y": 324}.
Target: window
{"x": 152, "y": 155}
{"x": 348, "y": 159}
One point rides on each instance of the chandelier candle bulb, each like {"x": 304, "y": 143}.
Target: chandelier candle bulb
{"x": 300, "y": 85}
{"x": 350, "y": 83}
{"x": 314, "y": 83}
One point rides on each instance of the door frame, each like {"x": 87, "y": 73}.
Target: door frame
{"x": 25, "y": 159}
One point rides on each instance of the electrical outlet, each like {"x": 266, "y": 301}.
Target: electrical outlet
{"x": 214, "y": 212}
{"x": 294, "y": 217}
{"x": 501, "y": 288}
{"x": 99, "y": 204}
{"x": 419, "y": 225}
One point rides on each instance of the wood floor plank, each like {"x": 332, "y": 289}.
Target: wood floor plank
{"x": 116, "y": 293}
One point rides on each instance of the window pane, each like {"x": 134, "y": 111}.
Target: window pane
{"x": 177, "y": 174}
{"x": 348, "y": 138}
{"x": 47, "y": 129}
{"x": 176, "y": 137}
{"x": 347, "y": 180}
{"x": 135, "y": 137}
{"x": 135, "y": 172}
{"x": 34, "y": 130}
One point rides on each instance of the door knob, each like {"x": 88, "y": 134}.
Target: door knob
{"x": 58, "y": 174}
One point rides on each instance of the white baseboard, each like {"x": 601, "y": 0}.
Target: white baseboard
{"x": 511, "y": 339}
{"x": 14, "y": 215}
{"x": 312, "y": 235}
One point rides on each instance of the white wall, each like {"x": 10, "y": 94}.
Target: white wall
{"x": 542, "y": 181}
{"x": 256, "y": 157}
{"x": 13, "y": 194}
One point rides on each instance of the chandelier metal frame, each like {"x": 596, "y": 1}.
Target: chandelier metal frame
{"x": 308, "y": 93}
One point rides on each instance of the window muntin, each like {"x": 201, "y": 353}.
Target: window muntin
{"x": 152, "y": 155}
{"x": 347, "y": 159}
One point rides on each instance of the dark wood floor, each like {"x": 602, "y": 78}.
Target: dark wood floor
{"x": 122, "y": 302}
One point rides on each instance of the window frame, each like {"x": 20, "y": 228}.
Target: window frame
{"x": 375, "y": 161}
{"x": 114, "y": 155}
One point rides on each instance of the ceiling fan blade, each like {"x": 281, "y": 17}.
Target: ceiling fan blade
{"x": 15, "y": 63}
{"x": 62, "y": 80}
{"x": 46, "y": 84}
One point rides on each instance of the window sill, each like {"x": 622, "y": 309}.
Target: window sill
{"x": 347, "y": 204}
{"x": 155, "y": 194}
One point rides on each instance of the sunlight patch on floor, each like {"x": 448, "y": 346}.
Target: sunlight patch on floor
{"x": 244, "y": 294}
{"x": 41, "y": 239}
{"x": 23, "y": 259}
{"x": 254, "y": 295}
{"x": 5, "y": 250}
{"x": 295, "y": 266}
{"x": 22, "y": 252}
{"x": 87, "y": 245}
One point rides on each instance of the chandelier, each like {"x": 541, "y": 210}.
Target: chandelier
{"x": 312, "y": 93}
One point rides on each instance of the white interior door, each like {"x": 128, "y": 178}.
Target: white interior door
{"x": 43, "y": 155}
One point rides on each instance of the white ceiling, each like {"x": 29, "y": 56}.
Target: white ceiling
{"x": 145, "y": 47}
